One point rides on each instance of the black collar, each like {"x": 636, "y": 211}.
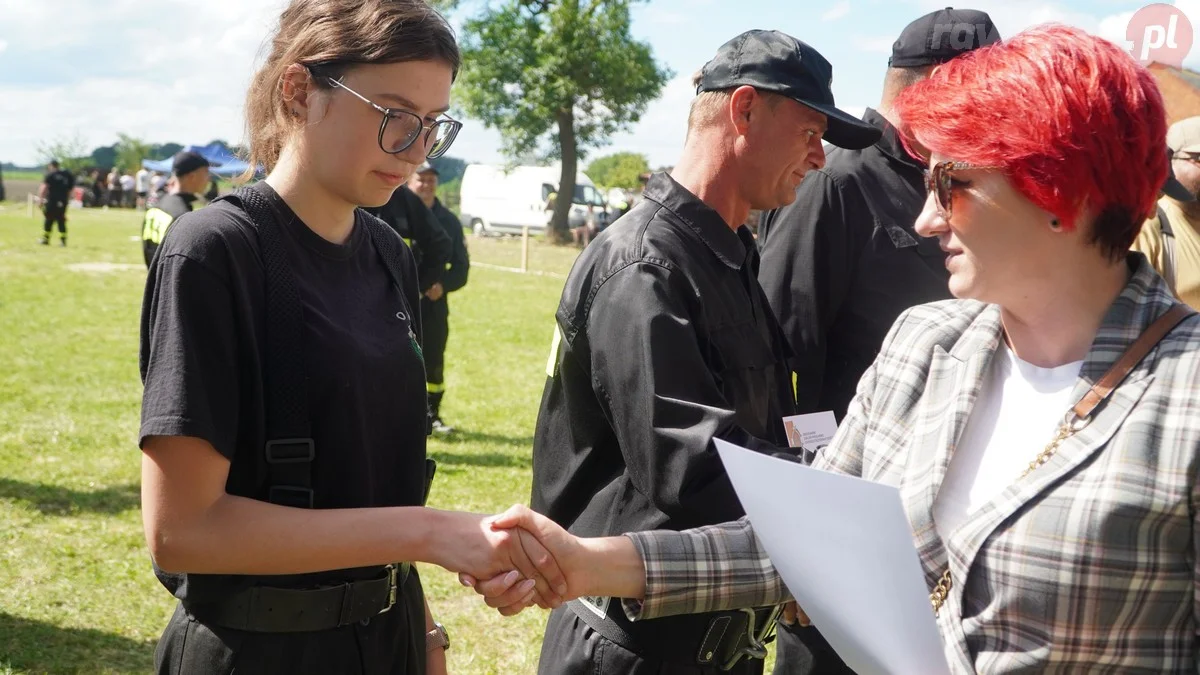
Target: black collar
{"x": 890, "y": 143}
{"x": 707, "y": 223}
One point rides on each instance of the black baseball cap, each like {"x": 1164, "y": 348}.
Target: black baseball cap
{"x": 940, "y": 36}
{"x": 1172, "y": 187}
{"x": 187, "y": 161}
{"x": 777, "y": 62}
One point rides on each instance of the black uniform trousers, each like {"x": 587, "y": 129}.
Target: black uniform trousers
{"x": 56, "y": 212}
{"x": 571, "y": 647}
{"x": 435, "y": 329}
{"x": 391, "y": 643}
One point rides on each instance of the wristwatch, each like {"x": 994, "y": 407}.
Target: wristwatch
{"x": 437, "y": 638}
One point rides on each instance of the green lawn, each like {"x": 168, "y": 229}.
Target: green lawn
{"x": 24, "y": 175}
{"x": 76, "y": 591}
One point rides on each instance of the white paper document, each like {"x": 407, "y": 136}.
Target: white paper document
{"x": 844, "y": 548}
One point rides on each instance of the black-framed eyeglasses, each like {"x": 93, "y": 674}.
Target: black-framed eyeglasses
{"x": 399, "y": 129}
{"x": 940, "y": 184}
{"x": 1193, "y": 157}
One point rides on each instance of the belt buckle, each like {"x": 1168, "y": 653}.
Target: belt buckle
{"x": 391, "y": 598}
{"x": 756, "y": 638}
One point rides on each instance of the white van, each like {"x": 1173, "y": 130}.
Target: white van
{"x": 498, "y": 199}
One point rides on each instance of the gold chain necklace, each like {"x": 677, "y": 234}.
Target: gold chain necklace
{"x": 1069, "y": 426}
{"x": 1081, "y": 414}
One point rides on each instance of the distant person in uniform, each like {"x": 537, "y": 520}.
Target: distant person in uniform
{"x": 54, "y": 194}
{"x": 435, "y": 309}
{"x": 190, "y": 173}
{"x": 419, "y": 228}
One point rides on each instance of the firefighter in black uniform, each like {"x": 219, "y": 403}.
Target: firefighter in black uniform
{"x": 665, "y": 341}
{"x": 843, "y": 261}
{"x": 55, "y": 194}
{"x": 284, "y": 416}
{"x": 435, "y": 306}
{"x": 420, "y": 229}
{"x": 190, "y": 172}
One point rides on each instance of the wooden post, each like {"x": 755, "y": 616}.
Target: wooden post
{"x": 525, "y": 249}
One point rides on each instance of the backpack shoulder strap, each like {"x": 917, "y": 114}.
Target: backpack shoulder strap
{"x": 386, "y": 243}
{"x": 1168, "y": 243}
{"x": 289, "y": 450}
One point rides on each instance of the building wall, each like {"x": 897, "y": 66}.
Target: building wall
{"x": 1182, "y": 99}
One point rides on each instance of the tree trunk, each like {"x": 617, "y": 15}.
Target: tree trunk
{"x": 559, "y": 225}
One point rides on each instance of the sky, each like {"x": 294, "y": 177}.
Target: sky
{"x": 177, "y": 70}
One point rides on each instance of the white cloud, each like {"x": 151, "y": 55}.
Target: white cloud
{"x": 178, "y": 84}
{"x": 839, "y": 9}
{"x": 1113, "y": 28}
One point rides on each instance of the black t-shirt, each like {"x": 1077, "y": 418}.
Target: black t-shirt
{"x": 202, "y": 343}
{"x": 58, "y": 186}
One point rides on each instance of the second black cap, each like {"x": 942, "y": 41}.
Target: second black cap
{"x": 940, "y": 36}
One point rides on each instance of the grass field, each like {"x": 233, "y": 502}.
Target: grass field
{"x": 76, "y": 591}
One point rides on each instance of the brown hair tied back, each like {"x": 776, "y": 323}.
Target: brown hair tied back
{"x": 336, "y": 35}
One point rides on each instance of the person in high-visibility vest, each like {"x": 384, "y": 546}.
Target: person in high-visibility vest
{"x": 189, "y": 177}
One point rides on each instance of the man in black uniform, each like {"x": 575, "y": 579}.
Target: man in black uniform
{"x": 55, "y": 193}
{"x": 843, "y": 261}
{"x": 665, "y": 341}
{"x": 190, "y": 170}
{"x": 435, "y": 307}
{"x": 419, "y": 228}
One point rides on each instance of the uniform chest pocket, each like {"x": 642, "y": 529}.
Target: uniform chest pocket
{"x": 740, "y": 347}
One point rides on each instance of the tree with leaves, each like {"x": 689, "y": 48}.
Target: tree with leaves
{"x": 618, "y": 170}
{"x": 557, "y": 77}
{"x": 70, "y": 152}
{"x": 130, "y": 152}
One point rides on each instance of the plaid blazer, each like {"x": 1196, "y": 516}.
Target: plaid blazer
{"x": 1088, "y": 563}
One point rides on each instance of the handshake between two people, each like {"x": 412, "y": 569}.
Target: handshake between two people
{"x": 530, "y": 560}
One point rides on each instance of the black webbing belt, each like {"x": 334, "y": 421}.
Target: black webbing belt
{"x": 717, "y": 639}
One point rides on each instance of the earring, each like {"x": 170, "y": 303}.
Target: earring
{"x": 1054, "y": 225}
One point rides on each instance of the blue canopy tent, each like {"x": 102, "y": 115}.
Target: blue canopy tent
{"x": 229, "y": 163}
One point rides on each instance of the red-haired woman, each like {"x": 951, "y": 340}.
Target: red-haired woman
{"x": 1051, "y": 486}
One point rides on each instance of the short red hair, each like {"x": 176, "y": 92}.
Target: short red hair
{"x": 1071, "y": 118}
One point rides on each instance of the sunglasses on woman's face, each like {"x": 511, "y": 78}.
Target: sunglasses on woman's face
{"x": 940, "y": 183}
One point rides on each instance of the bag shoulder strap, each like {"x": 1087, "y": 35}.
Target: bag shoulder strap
{"x": 289, "y": 451}
{"x": 1168, "y": 242}
{"x": 386, "y": 243}
{"x": 1148, "y": 340}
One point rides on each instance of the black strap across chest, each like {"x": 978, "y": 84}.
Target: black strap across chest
{"x": 289, "y": 451}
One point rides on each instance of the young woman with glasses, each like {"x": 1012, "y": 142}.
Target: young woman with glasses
{"x": 351, "y": 99}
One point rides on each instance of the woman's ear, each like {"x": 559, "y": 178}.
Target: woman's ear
{"x": 296, "y": 87}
